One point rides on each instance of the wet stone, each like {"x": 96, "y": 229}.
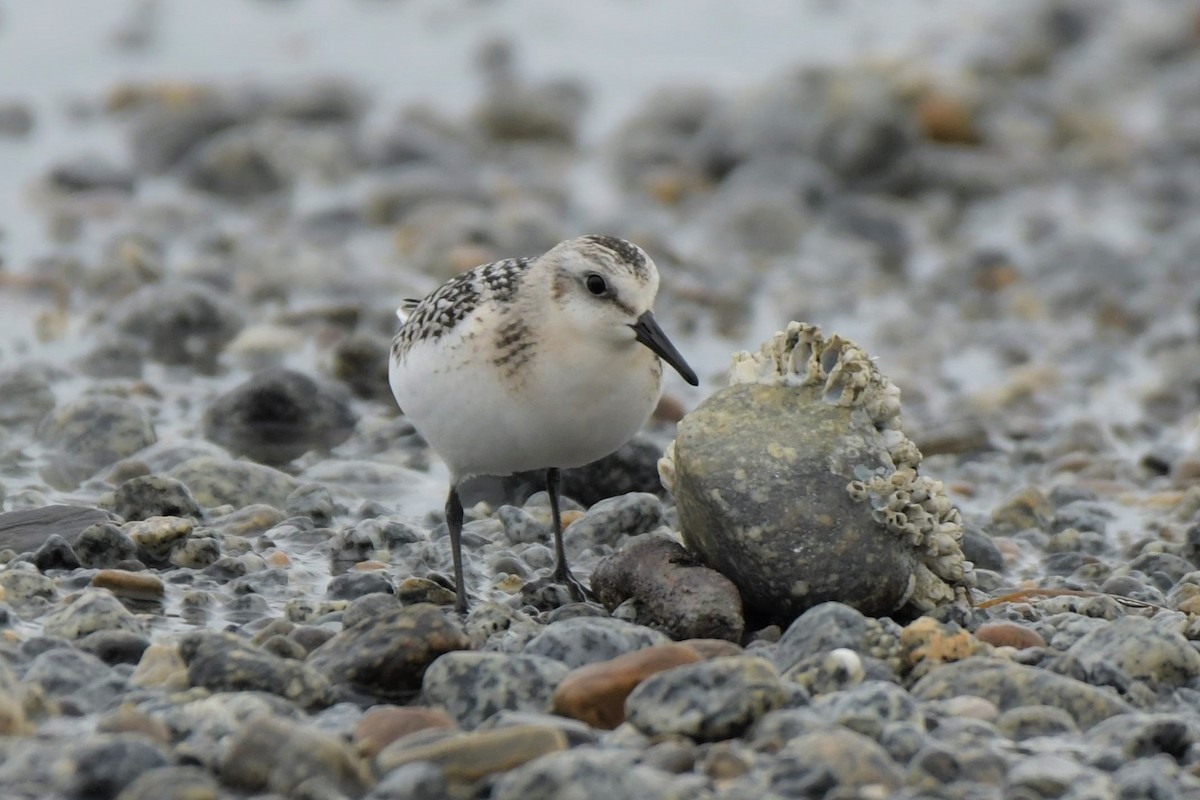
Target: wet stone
{"x": 387, "y": 656}
{"x": 821, "y": 629}
{"x": 105, "y": 764}
{"x": 91, "y": 610}
{"x": 25, "y": 531}
{"x": 90, "y": 434}
{"x": 126, "y": 583}
{"x": 152, "y": 496}
{"x": 216, "y": 481}
{"x": 673, "y": 593}
{"x": 350, "y": 585}
{"x": 156, "y": 537}
{"x": 234, "y": 165}
{"x": 182, "y": 324}
{"x": 311, "y": 500}
{"x": 25, "y": 397}
{"x": 586, "y": 640}
{"x": 222, "y": 662}
{"x": 115, "y": 646}
{"x": 279, "y": 755}
{"x": 709, "y": 701}
{"x": 55, "y": 553}
{"x": 827, "y": 672}
{"x": 278, "y": 415}
{"x": 474, "y": 686}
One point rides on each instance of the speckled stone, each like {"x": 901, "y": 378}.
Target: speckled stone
{"x": 830, "y": 626}
{"x": 830, "y": 757}
{"x": 104, "y": 545}
{"x": 215, "y": 481}
{"x": 709, "y": 701}
{"x": 471, "y": 756}
{"x": 827, "y": 672}
{"x": 223, "y": 662}
{"x": 157, "y": 537}
{"x": 90, "y": 434}
{"x": 611, "y": 520}
{"x": 1141, "y": 735}
{"x": 586, "y": 640}
{"x": 419, "y": 780}
{"x": 1027, "y": 722}
{"x": 1132, "y": 648}
{"x": 672, "y": 592}
{"x": 583, "y": 773}
{"x": 278, "y": 415}
{"x": 1010, "y": 685}
{"x": 24, "y": 585}
{"x": 91, "y": 610}
{"x": 152, "y": 496}
{"x": 473, "y": 686}
{"x": 596, "y": 693}
{"x": 387, "y": 656}
{"x": 279, "y": 755}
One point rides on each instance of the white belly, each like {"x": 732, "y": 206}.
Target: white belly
{"x": 560, "y": 413}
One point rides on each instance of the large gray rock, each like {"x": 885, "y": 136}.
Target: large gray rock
{"x": 797, "y": 483}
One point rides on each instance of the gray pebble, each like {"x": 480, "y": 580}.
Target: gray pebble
{"x": 610, "y": 520}
{"x": 584, "y": 773}
{"x": 708, "y": 701}
{"x": 279, "y": 755}
{"x": 92, "y": 610}
{"x": 1132, "y": 649}
{"x": 475, "y": 686}
{"x": 278, "y": 415}
{"x": 1027, "y": 722}
{"x": 55, "y": 553}
{"x": 1010, "y": 685}
{"x": 91, "y": 433}
{"x": 184, "y": 324}
{"x": 387, "y": 656}
{"x": 152, "y": 496}
{"x": 172, "y": 783}
{"x": 105, "y": 764}
{"x": 419, "y": 780}
{"x": 586, "y": 640}
{"x": 216, "y": 481}
{"x": 222, "y": 662}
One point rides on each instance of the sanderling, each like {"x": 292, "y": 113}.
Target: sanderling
{"x": 534, "y": 363}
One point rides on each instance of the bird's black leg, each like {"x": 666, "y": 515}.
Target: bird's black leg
{"x": 454, "y": 521}
{"x": 562, "y": 573}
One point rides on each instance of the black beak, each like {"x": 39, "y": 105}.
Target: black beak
{"x": 648, "y": 333}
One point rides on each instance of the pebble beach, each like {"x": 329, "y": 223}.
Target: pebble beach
{"x": 224, "y": 566}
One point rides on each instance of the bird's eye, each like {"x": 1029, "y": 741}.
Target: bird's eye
{"x": 596, "y": 284}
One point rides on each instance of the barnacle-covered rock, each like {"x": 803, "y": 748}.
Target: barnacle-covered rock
{"x": 797, "y": 483}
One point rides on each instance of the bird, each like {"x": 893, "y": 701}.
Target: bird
{"x": 538, "y": 363}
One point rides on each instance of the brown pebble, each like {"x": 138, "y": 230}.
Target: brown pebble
{"x": 278, "y": 558}
{"x": 1009, "y": 634}
{"x": 382, "y": 725}
{"x": 471, "y": 756}
{"x": 713, "y": 648}
{"x": 369, "y": 566}
{"x": 595, "y": 693}
{"x": 570, "y": 516}
{"x": 124, "y": 583}
{"x": 128, "y": 719}
{"x": 928, "y": 643}
{"x": 946, "y": 119}
{"x": 669, "y": 409}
